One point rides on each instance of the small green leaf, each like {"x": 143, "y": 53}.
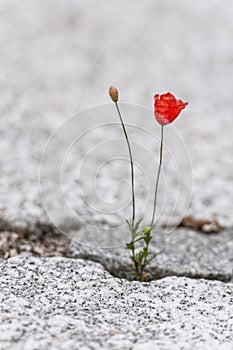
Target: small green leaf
{"x": 139, "y": 257}
{"x": 138, "y": 239}
{"x": 127, "y": 221}
{"x": 135, "y": 234}
{"x": 147, "y": 229}
{"x": 137, "y": 225}
{"x": 145, "y": 253}
{"x": 147, "y": 238}
{"x": 129, "y": 245}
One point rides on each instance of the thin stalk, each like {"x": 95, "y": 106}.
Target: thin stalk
{"x": 131, "y": 164}
{"x": 135, "y": 262}
{"x": 158, "y": 175}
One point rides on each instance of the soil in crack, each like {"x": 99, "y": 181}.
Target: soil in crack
{"x": 42, "y": 241}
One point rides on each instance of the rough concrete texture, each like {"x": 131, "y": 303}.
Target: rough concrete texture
{"x": 181, "y": 253}
{"x": 59, "y": 303}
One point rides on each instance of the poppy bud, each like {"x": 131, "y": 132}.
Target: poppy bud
{"x": 113, "y": 93}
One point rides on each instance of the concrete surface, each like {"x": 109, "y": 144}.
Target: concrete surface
{"x": 60, "y": 303}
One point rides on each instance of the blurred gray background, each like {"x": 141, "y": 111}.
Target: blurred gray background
{"x": 59, "y": 57}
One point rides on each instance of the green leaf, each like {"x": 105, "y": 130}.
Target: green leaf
{"x": 145, "y": 253}
{"x": 127, "y": 221}
{"x": 129, "y": 245}
{"x": 138, "y": 239}
{"x": 147, "y": 229}
{"x": 137, "y": 225}
{"x": 135, "y": 234}
{"x": 139, "y": 257}
{"x": 147, "y": 238}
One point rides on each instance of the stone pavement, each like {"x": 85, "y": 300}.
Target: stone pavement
{"x": 59, "y": 303}
{"x": 58, "y": 59}
{"x": 181, "y": 253}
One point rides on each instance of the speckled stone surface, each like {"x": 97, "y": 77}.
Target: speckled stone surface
{"x": 60, "y": 303}
{"x": 60, "y": 58}
{"x": 183, "y": 253}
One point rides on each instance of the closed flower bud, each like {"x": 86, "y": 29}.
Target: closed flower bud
{"x": 113, "y": 93}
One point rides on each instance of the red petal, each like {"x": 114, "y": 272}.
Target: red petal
{"x": 167, "y": 108}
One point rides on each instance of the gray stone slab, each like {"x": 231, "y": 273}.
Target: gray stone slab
{"x": 60, "y": 303}
{"x": 58, "y": 59}
{"x": 184, "y": 253}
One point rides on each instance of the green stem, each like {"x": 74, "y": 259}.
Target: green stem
{"x": 131, "y": 164}
{"x": 157, "y": 179}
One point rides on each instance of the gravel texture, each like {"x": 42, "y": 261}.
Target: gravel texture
{"x": 42, "y": 242}
{"x": 59, "y": 303}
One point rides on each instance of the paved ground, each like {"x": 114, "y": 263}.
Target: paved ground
{"x": 57, "y": 59}
{"x": 58, "y": 303}
{"x": 181, "y": 253}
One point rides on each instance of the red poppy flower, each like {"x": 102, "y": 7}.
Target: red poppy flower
{"x": 167, "y": 108}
